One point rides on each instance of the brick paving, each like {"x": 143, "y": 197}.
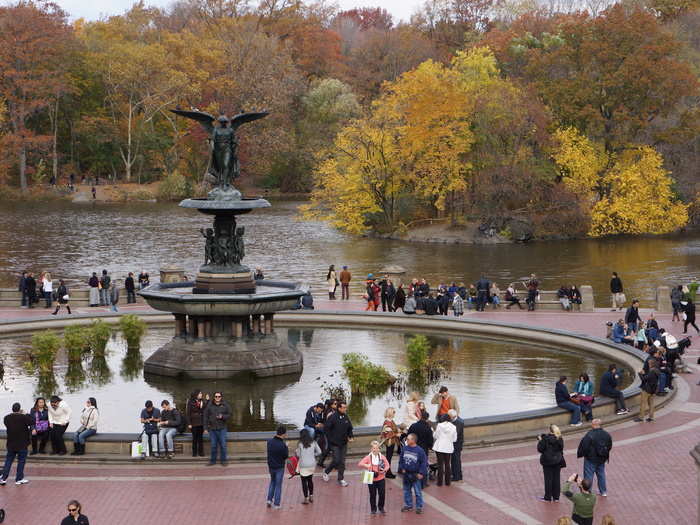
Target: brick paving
{"x": 651, "y": 476}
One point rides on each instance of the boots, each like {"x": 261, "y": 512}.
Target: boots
{"x": 68, "y": 309}
{"x": 76, "y": 449}
{"x": 55, "y": 311}
{"x": 81, "y": 449}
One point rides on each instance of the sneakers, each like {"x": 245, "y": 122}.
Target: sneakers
{"x": 544, "y": 499}
{"x": 650, "y": 420}
{"x": 576, "y": 424}
{"x": 305, "y": 502}
{"x": 22, "y": 481}
{"x": 638, "y": 420}
{"x": 269, "y": 503}
{"x": 3, "y": 481}
{"x": 604, "y": 494}
{"x": 419, "y": 511}
{"x": 343, "y": 483}
{"x": 622, "y": 411}
{"x": 406, "y": 509}
{"x": 311, "y": 498}
{"x": 373, "y": 512}
{"x": 325, "y": 477}
{"x": 276, "y": 507}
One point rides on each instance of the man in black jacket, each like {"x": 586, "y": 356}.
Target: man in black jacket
{"x": 338, "y": 434}
{"x": 632, "y": 317}
{"x": 277, "y": 454}
{"x": 30, "y": 287}
{"x": 130, "y": 288}
{"x": 650, "y": 385}
{"x": 608, "y": 387}
{"x": 430, "y": 305}
{"x": 618, "y": 297}
{"x": 23, "y": 289}
{"x": 424, "y": 435}
{"x": 18, "y": 427}
{"x": 595, "y": 449}
{"x": 482, "y": 293}
{"x": 313, "y": 422}
{"x": 456, "y": 460}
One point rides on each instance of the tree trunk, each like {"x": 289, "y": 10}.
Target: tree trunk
{"x": 23, "y": 167}
{"x": 55, "y": 141}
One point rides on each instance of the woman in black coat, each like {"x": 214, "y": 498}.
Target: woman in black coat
{"x": 551, "y": 449}
{"x": 400, "y": 298}
{"x": 62, "y": 297}
{"x": 75, "y": 514}
{"x": 194, "y": 412}
{"x": 689, "y": 318}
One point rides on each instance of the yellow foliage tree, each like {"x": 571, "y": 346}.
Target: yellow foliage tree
{"x": 630, "y": 193}
{"x": 640, "y": 199}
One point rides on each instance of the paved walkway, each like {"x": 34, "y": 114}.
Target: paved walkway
{"x": 651, "y": 477}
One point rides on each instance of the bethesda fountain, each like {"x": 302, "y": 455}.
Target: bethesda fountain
{"x": 224, "y": 319}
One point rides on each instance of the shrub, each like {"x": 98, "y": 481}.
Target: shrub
{"x": 365, "y": 377}
{"x": 76, "y": 341}
{"x": 174, "y": 187}
{"x": 44, "y": 349}
{"x": 133, "y": 329}
{"x": 417, "y": 351}
{"x": 99, "y": 337}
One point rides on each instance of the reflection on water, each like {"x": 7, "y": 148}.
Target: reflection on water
{"x": 488, "y": 377}
{"x": 73, "y": 240}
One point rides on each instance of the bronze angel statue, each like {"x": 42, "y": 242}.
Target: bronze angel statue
{"x": 224, "y": 144}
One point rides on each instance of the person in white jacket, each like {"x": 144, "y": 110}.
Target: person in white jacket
{"x": 411, "y": 414}
{"x": 59, "y": 417}
{"x": 88, "y": 426}
{"x": 445, "y": 434}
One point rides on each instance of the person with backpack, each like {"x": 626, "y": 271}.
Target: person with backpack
{"x": 307, "y": 451}
{"x": 277, "y": 454}
{"x": 170, "y": 424}
{"x": 105, "y": 281}
{"x": 551, "y": 449}
{"x": 595, "y": 449}
{"x": 649, "y": 387}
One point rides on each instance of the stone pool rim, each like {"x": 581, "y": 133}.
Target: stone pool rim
{"x": 478, "y": 430}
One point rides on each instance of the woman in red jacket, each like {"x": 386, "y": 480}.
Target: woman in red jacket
{"x": 376, "y": 462}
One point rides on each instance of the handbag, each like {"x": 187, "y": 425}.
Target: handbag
{"x": 623, "y": 298}
{"x": 368, "y": 477}
{"x": 136, "y": 449}
{"x": 41, "y": 425}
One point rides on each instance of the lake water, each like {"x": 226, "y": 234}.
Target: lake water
{"x": 488, "y": 377}
{"x": 73, "y": 240}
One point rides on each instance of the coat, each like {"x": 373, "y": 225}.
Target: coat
{"x": 551, "y": 449}
{"x": 18, "y": 431}
{"x": 444, "y": 435}
{"x": 194, "y": 412}
{"x": 390, "y": 437}
{"x": 595, "y": 446}
{"x": 379, "y": 470}
{"x": 454, "y": 404}
{"x": 458, "y": 422}
{"x": 211, "y": 413}
{"x": 424, "y": 434}
{"x": 338, "y": 429}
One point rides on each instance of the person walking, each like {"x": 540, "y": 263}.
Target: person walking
{"x": 22, "y": 289}
{"x": 277, "y": 454}
{"x": 649, "y": 387}
{"x": 551, "y": 449}
{"x": 105, "y": 282}
{"x": 18, "y": 425}
{"x": 75, "y": 514}
{"x": 47, "y": 285}
{"x": 584, "y": 502}
{"x": 390, "y": 438}
{"x": 113, "y": 296}
{"x": 444, "y": 436}
{"x": 617, "y": 292}
{"x": 456, "y": 459}
{"x": 331, "y": 406}
{"x": 413, "y": 464}
{"x": 332, "y": 281}
{"x": 59, "y": 417}
{"x": 40, "y": 426}
{"x": 689, "y": 316}
{"x": 608, "y": 387}
{"x": 307, "y": 451}
{"x": 378, "y": 465}
{"x": 216, "y": 414}
{"x": 595, "y": 448}
{"x": 194, "y": 412}
{"x": 170, "y": 421}
{"x": 88, "y": 426}
{"x": 338, "y": 433}
{"x": 345, "y": 278}
{"x": 62, "y": 297}
{"x": 94, "y": 294}
{"x": 130, "y": 288}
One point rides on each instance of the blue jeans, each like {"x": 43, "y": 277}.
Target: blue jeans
{"x": 408, "y": 497}
{"x": 631, "y": 327}
{"x": 590, "y": 468}
{"x": 456, "y": 464}
{"x": 104, "y": 297}
{"x": 275, "y": 488}
{"x": 218, "y": 440}
{"x": 662, "y": 382}
{"x": 312, "y": 431}
{"x": 113, "y": 307}
{"x": 165, "y": 437}
{"x": 574, "y": 409}
{"x": 9, "y": 458}
{"x": 81, "y": 437}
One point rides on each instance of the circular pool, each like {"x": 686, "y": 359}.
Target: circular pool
{"x": 489, "y": 377}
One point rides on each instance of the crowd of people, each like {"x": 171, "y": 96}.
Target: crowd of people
{"x": 103, "y": 290}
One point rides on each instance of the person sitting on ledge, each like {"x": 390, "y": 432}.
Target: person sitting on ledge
{"x": 149, "y": 437}
{"x": 430, "y": 305}
{"x": 608, "y": 387}
{"x": 563, "y": 398}
{"x": 563, "y": 295}
{"x": 619, "y": 334}
{"x": 410, "y": 306}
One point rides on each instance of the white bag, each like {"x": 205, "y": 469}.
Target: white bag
{"x": 66, "y": 297}
{"x": 684, "y": 316}
{"x": 368, "y": 477}
{"x": 136, "y": 449}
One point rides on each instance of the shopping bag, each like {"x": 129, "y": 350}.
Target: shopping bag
{"x": 136, "y": 449}
{"x": 368, "y": 477}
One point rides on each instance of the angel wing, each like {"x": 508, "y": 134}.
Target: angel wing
{"x": 205, "y": 119}
{"x": 243, "y": 118}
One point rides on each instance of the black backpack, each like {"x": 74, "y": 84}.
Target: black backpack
{"x": 106, "y": 280}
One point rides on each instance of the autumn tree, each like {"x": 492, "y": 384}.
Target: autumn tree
{"x": 34, "y": 36}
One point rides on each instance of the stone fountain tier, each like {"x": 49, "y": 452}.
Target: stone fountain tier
{"x": 227, "y": 276}
{"x": 223, "y": 335}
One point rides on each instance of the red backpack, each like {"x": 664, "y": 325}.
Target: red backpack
{"x": 292, "y": 464}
